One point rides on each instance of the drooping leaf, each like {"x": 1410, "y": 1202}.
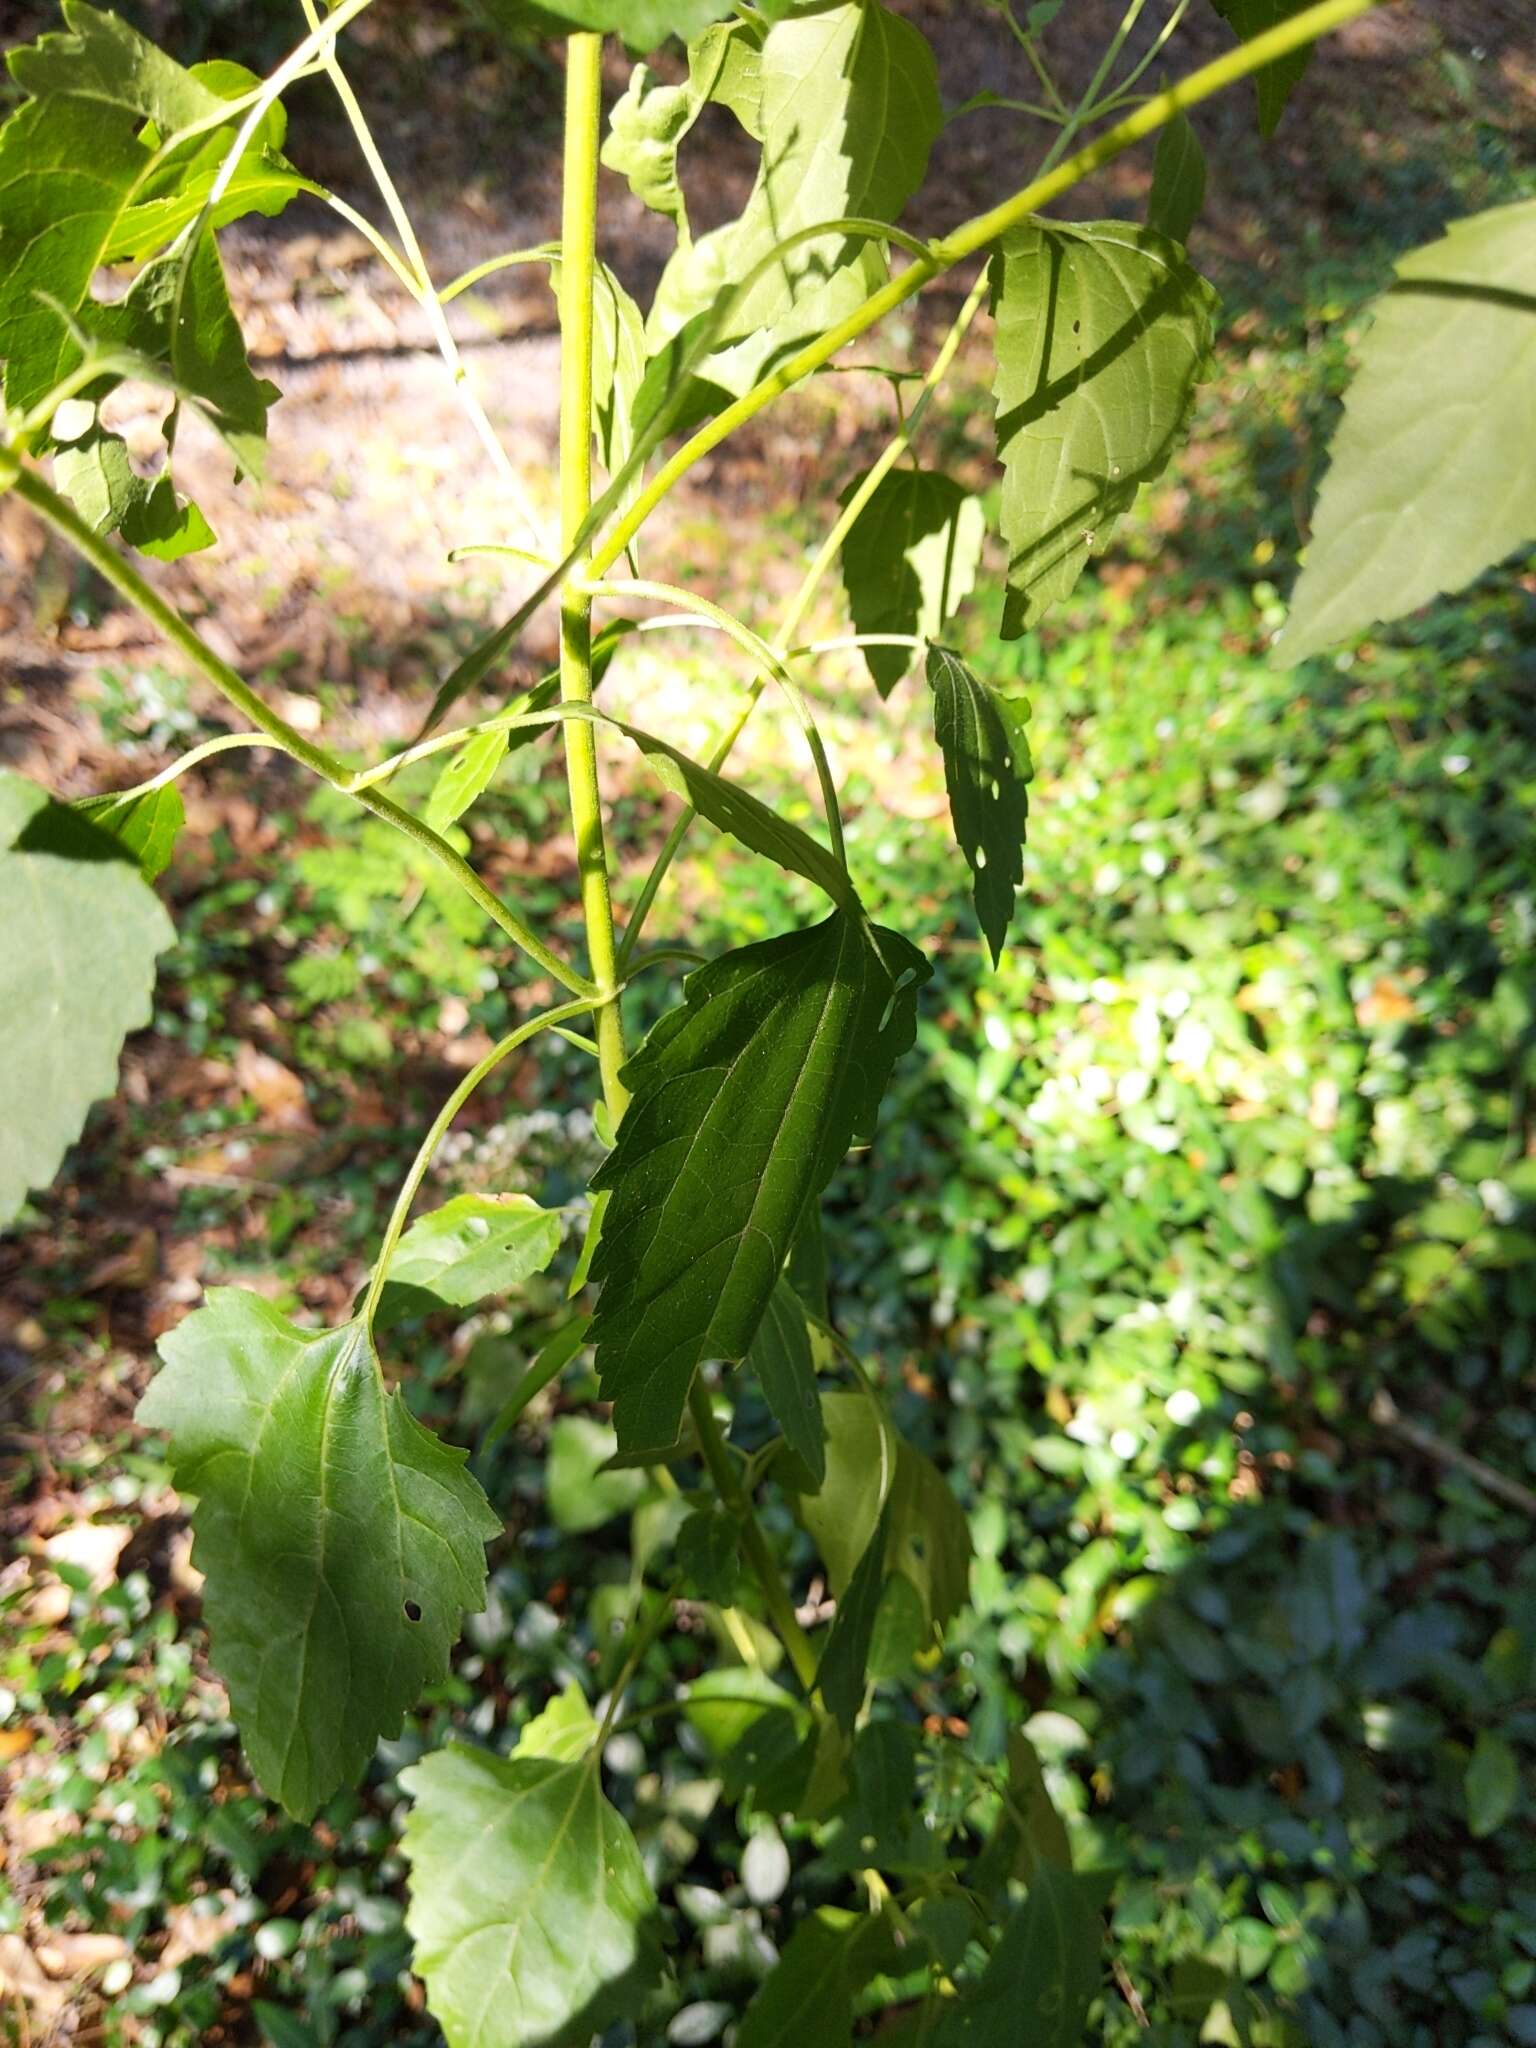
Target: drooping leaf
{"x": 147, "y": 825}
{"x": 1274, "y": 82}
{"x": 909, "y": 561}
{"x": 82, "y": 933}
{"x": 782, "y": 1358}
{"x": 1029, "y": 1832}
{"x": 1178, "y": 180}
{"x": 880, "y": 1824}
{"x": 531, "y": 1913}
{"x": 582, "y": 1491}
{"x": 342, "y": 1544}
{"x": 840, "y": 1674}
{"x": 474, "y": 1246}
{"x": 848, "y": 110}
{"x": 96, "y": 475}
{"x": 709, "y": 1551}
{"x": 744, "y": 1100}
{"x": 563, "y": 1732}
{"x": 981, "y": 734}
{"x": 644, "y": 24}
{"x": 467, "y": 774}
{"x": 618, "y": 364}
{"x": 808, "y": 1996}
{"x": 648, "y": 123}
{"x": 928, "y": 1538}
{"x": 1103, "y": 333}
{"x": 1492, "y": 1783}
{"x": 1042, "y": 1975}
{"x": 842, "y": 1515}
{"x": 1422, "y": 493}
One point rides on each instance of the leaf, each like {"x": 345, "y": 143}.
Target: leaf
{"x": 1178, "y": 180}
{"x": 618, "y": 364}
{"x": 848, "y": 110}
{"x": 1425, "y": 488}
{"x": 1274, "y": 82}
{"x": 530, "y": 1910}
{"x": 474, "y": 1246}
{"x": 582, "y": 1495}
{"x": 647, "y": 124}
{"x": 987, "y": 767}
{"x": 880, "y": 1823}
{"x": 82, "y": 933}
{"x": 781, "y": 1356}
{"x": 902, "y": 1629}
{"x": 146, "y": 826}
{"x": 709, "y": 1551}
{"x": 1103, "y": 333}
{"x": 745, "y": 1100}
{"x": 807, "y": 1997}
{"x": 840, "y": 1674}
{"x": 644, "y": 24}
{"x": 563, "y": 1732}
{"x": 1042, "y": 1975}
{"x": 467, "y": 774}
{"x": 1492, "y": 1783}
{"x": 928, "y": 1536}
{"x": 909, "y": 561}
{"x": 1030, "y": 1833}
{"x": 341, "y": 1542}
{"x": 841, "y": 1516}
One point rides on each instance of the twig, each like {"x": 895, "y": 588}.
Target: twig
{"x": 1387, "y": 1417}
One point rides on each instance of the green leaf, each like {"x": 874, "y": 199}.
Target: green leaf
{"x": 783, "y": 1360}
{"x": 147, "y": 826}
{"x": 981, "y": 734}
{"x": 618, "y": 364}
{"x": 709, "y": 1551}
{"x": 909, "y": 561}
{"x": 530, "y": 1910}
{"x": 467, "y": 774}
{"x": 841, "y": 1516}
{"x": 647, "y": 124}
{"x": 563, "y": 1732}
{"x": 808, "y": 1996}
{"x": 1275, "y": 82}
{"x": 725, "y": 1706}
{"x": 1030, "y": 1833}
{"x": 474, "y": 1246}
{"x": 341, "y": 1542}
{"x": 744, "y": 1101}
{"x": 880, "y": 1823}
{"x": 840, "y": 1674}
{"x": 1103, "y": 333}
{"x": 848, "y": 110}
{"x": 77, "y": 968}
{"x": 1426, "y": 485}
{"x": 1042, "y": 1975}
{"x": 583, "y": 1495}
{"x": 928, "y": 1537}
{"x": 644, "y": 24}
{"x": 1178, "y": 180}
{"x": 1492, "y": 1783}
{"x": 902, "y": 1629}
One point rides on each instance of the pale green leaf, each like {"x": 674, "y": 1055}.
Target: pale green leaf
{"x": 928, "y": 1537}
{"x": 745, "y": 1098}
{"x": 581, "y": 1493}
{"x": 467, "y": 774}
{"x": 1492, "y": 1783}
{"x": 648, "y": 123}
{"x": 1274, "y": 82}
{"x": 1103, "y": 333}
{"x": 341, "y": 1543}
{"x": 531, "y": 1913}
{"x": 727, "y": 1704}
{"x": 841, "y": 1516}
{"x": 1178, "y": 180}
{"x": 1042, "y": 1975}
{"x": 563, "y": 1732}
{"x": 473, "y": 1247}
{"x": 147, "y": 825}
{"x": 77, "y": 968}
{"x": 987, "y": 767}
{"x": 96, "y": 475}
{"x": 781, "y": 1356}
{"x": 1429, "y": 479}
{"x": 909, "y": 561}
{"x": 618, "y": 364}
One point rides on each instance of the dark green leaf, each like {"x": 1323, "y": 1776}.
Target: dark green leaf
{"x": 840, "y": 1675}
{"x": 146, "y": 825}
{"x": 880, "y": 1824}
{"x": 1492, "y": 1783}
{"x": 902, "y": 1629}
{"x": 82, "y": 933}
{"x": 1030, "y": 1832}
{"x": 1042, "y": 1975}
{"x": 929, "y": 1539}
{"x": 782, "y": 1358}
{"x": 531, "y": 1913}
{"x": 1103, "y": 333}
{"x": 341, "y": 1542}
{"x": 1424, "y": 489}
{"x": 909, "y": 561}
{"x": 807, "y": 1997}
{"x": 709, "y": 1551}
{"x": 981, "y": 734}
{"x": 745, "y": 1099}
{"x": 1275, "y": 82}
{"x": 1178, "y": 180}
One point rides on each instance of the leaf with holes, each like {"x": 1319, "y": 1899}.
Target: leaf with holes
{"x": 342, "y": 1544}
{"x": 532, "y": 1916}
{"x": 1103, "y": 333}
{"x": 745, "y": 1098}
{"x": 473, "y": 1247}
{"x": 909, "y": 561}
{"x": 467, "y": 774}
{"x": 981, "y": 735}
{"x": 82, "y": 934}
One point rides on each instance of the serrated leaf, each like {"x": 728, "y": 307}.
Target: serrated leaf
{"x": 849, "y": 109}
{"x": 909, "y": 561}
{"x": 467, "y": 774}
{"x": 471, "y": 1248}
{"x": 1103, "y": 333}
{"x": 1042, "y": 1975}
{"x": 341, "y": 1543}
{"x": 745, "y": 1099}
{"x": 644, "y": 24}
{"x": 987, "y": 767}
{"x": 82, "y": 934}
{"x": 647, "y": 124}
{"x": 563, "y": 1732}
{"x": 582, "y": 1491}
{"x": 1425, "y": 488}
{"x": 842, "y": 1515}
{"x": 530, "y": 1910}
{"x": 840, "y": 1674}
{"x": 147, "y": 826}
{"x": 1274, "y": 82}
{"x": 1492, "y": 1783}
{"x": 709, "y": 1551}
{"x": 783, "y": 1360}
{"x": 1178, "y": 180}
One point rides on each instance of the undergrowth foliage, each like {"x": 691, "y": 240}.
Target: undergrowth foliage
{"x": 342, "y": 1542}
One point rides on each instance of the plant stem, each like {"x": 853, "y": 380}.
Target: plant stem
{"x": 578, "y": 242}
{"x": 728, "y": 1485}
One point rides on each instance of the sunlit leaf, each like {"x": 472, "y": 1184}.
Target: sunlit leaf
{"x": 473, "y": 1247}
{"x": 147, "y": 825}
{"x": 466, "y": 775}
{"x": 563, "y": 1732}
{"x": 909, "y": 561}
{"x": 643, "y": 24}
{"x": 981, "y": 734}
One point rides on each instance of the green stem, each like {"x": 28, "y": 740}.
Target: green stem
{"x": 781, "y": 1612}
{"x": 550, "y": 1363}
{"x": 973, "y": 236}
{"x": 129, "y": 584}
{"x": 578, "y": 242}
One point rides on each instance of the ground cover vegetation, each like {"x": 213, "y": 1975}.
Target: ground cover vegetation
{"x": 1096, "y": 1592}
